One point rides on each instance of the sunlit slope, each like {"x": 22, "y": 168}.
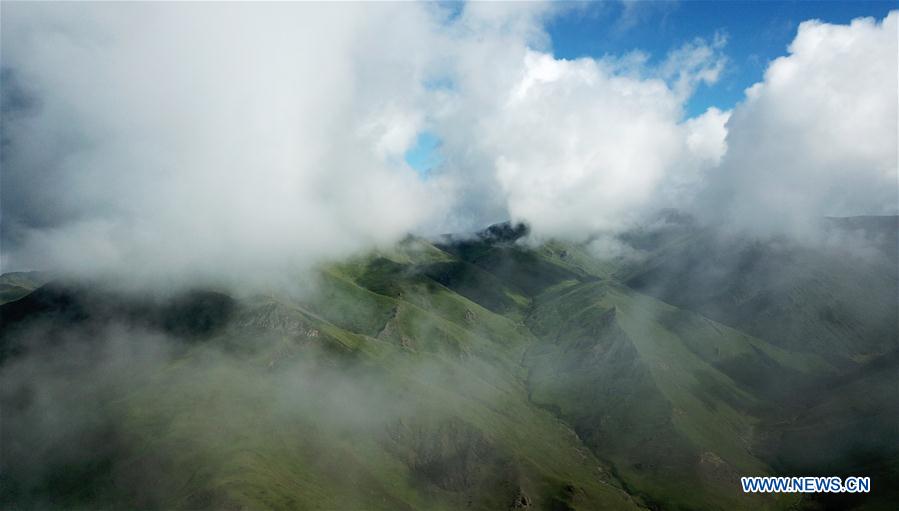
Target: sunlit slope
{"x": 401, "y": 436}
{"x": 684, "y": 394}
{"x": 473, "y": 373}
{"x": 349, "y": 399}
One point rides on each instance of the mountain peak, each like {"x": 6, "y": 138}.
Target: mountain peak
{"x": 505, "y": 232}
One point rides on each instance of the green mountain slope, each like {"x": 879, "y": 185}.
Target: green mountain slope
{"x": 469, "y": 373}
{"x": 838, "y": 302}
{"x": 352, "y": 400}
{"x": 653, "y": 389}
{"x": 847, "y": 428}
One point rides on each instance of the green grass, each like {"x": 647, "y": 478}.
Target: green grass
{"x": 467, "y": 375}
{"x": 644, "y": 396}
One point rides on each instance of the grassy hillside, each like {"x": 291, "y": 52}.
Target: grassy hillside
{"x": 647, "y": 386}
{"x": 847, "y": 427}
{"x": 475, "y": 373}
{"x": 350, "y": 400}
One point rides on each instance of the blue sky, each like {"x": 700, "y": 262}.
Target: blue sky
{"x": 425, "y": 153}
{"x": 279, "y": 131}
{"x": 757, "y": 32}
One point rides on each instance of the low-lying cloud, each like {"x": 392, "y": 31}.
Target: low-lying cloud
{"x": 208, "y": 139}
{"x": 818, "y": 136}
{"x": 213, "y": 140}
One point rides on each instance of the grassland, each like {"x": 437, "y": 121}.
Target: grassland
{"x": 478, "y": 373}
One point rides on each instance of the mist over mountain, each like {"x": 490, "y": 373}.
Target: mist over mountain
{"x": 473, "y": 371}
{"x": 231, "y": 149}
{"x": 440, "y": 256}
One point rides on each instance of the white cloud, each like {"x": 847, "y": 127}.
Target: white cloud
{"x": 694, "y": 63}
{"x": 222, "y": 139}
{"x": 210, "y": 139}
{"x": 818, "y": 136}
{"x": 706, "y": 135}
{"x": 582, "y": 146}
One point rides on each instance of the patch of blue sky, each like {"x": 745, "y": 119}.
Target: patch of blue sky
{"x": 439, "y": 83}
{"x": 757, "y": 32}
{"x": 424, "y": 156}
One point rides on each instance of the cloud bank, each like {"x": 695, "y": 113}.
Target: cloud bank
{"x": 818, "y": 136}
{"x": 212, "y": 140}
{"x": 208, "y": 138}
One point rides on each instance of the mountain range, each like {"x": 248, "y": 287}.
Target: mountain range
{"x": 486, "y": 371}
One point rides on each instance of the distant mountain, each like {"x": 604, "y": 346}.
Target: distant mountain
{"x": 60, "y": 308}
{"x": 838, "y": 301}
{"x": 470, "y": 372}
{"x": 15, "y": 285}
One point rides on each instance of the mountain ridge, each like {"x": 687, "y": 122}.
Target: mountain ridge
{"x": 481, "y": 373}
